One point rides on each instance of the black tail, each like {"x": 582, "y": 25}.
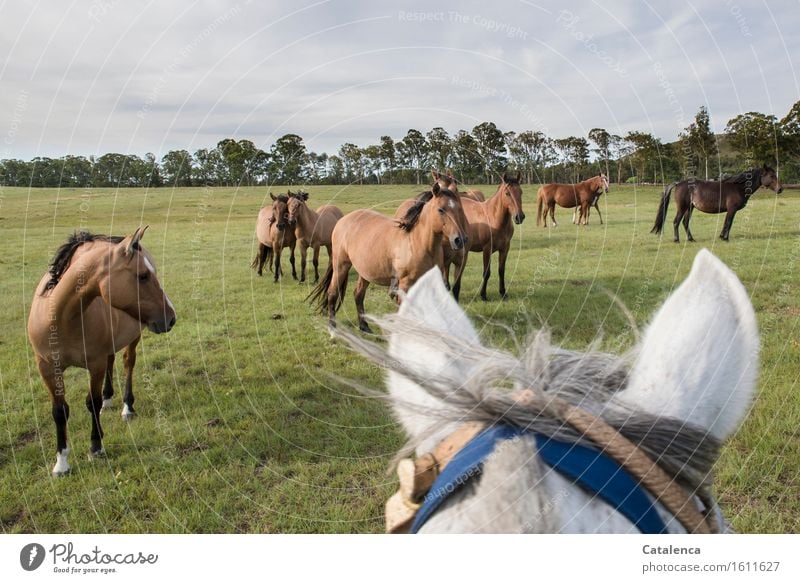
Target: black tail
{"x": 319, "y": 295}
{"x": 264, "y": 252}
{"x": 661, "y": 217}
{"x": 268, "y": 256}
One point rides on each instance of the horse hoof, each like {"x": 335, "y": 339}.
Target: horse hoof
{"x": 107, "y": 404}
{"x": 484, "y": 298}
{"x": 504, "y": 297}
{"x": 96, "y": 455}
{"x": 61, "y": 473}
{"x": 364, "y": 327}
{"x": 127, "y": 413}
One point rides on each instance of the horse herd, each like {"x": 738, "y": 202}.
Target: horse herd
{"x": 100, "y": 291}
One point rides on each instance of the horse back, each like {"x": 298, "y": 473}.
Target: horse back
{"x": 369, "y": 241}
{"x": 264, "y": 227}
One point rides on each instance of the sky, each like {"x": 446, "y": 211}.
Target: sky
{"x": 86, "y": 78}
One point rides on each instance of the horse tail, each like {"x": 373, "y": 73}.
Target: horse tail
{"x": 254, "y": 264}
{"x": 319, "y": 295}
{"x": 661, "y": 217}
{"x": 540, "y": 196}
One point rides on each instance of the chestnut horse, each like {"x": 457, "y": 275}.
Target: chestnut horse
{"x": 490, "y": 229}
{"x": 449, "y": 182}
{"x": 578, "y": 196}
{"x": 312, "y": 229}
{"x": 729, "y": 196}
{"x": 98, "y": 294}
{"x": 388, "y": 252}
{"x": 273, "y": 235}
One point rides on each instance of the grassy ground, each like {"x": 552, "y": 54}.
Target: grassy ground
{"x": 239, "y": 429}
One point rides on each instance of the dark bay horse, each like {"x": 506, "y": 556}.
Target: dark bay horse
{"x": 273, "y": 234}
{"x": 312, "y": 229}
{"x": 490, "y": 230}
{"x": 729, "y": 196}
{"x": 98, "y": 294}
{"x": 388, "y": 252}
{"x": 578, "y": 196}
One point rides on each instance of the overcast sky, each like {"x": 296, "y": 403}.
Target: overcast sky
{"x": 133, "y": 77}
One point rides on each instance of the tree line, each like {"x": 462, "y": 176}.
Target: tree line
{"x": 476, "y": 156}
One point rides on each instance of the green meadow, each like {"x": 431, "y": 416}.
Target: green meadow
{"x": 240, "y": 427}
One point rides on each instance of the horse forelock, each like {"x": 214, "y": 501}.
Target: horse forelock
{"x": 411, "y": 218}
{"x": 63, "y": 256}
{"x": 588, "y": 380}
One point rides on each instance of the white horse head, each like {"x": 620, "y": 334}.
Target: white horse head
{"x": 682, "y": 392}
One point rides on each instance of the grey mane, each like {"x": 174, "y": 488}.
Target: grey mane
{"x": 588, "y": 380}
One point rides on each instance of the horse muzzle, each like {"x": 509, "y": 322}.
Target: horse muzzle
{"x": 458, "y": 242}
{"x": 780, "y": 190}
{"x": 164, "y": 324}
{"x": 519, "y": 218}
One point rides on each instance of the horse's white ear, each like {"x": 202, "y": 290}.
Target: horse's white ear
{"x": 698, "y": 360}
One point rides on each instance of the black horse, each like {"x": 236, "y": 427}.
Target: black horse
{"x": 729, "y": 196}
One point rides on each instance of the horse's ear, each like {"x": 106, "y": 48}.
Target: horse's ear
{"x": 519, "y": 175}
{"x": 450, "y": 173}
{"x": 131, "y": 243}
{"x": 272, "y": 196}
{"x": 435, "y": 175}
{"x": 698, "y": 360}
{"x": 305, "y": 196}
{"x": 504, "y": 177}
{"x": 436, "y": 189}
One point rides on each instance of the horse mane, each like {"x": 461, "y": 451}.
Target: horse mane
{"x": 412, "y": 215}
{"x": 281, "y": 198}
{"x": 753, "y": 175}
{"x": 300, "y": 195}
{"x": 587, "y": 380}
{"x": 63, "y": 256}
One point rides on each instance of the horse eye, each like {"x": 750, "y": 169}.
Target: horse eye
{"x": 441, "y": 211}
{"x": 143, "y": 277}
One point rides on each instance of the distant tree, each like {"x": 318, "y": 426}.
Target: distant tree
{"x": 317, "y": 167}
{"x": 645, "y": 154}
{"x": 352, "y": 160}
{"x": 373, "y": 161}
{"x": 288, "y": 159}
{"x": 413, "y": 153}
{"x": 440, "y": 147}
{"x": 491, "y": 146}
{"x": 756, "y": 136}
{"x": 388, "y": 155}
{"x": 698, "y": 142}
{"x": 209, "y": 169}
{"x": 176, "y": 168}
{"x": 467, "y": 161}
{"x": 620, "y": 149}
{"x": 336, "y": 173}
{"x": 76, "y": 171}
{"x": 15, "y": 173}
{"x": 602, "y": 142}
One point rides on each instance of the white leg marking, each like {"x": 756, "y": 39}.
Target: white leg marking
{"x": 107, "y": 404}
{"x": 62, "y": 467}
{"x": 126, "y": 414}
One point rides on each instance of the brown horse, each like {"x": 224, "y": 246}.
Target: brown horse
{"x": 729, "y": 196}
{"x": 449, "y": 182}
{"x": 312, "y": 229}
{"x": 388, "y": 252}
{"x": 273, "y": 235}
{"x": 449, "y": 255}
{"x": 98, "y": 294}
{"x": 581, "y": 195}
{"x": 490, "y": 229}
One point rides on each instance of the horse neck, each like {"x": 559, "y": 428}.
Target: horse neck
{"x": 307, "y": 218}
{"x": 497, "y": 211}
{"x": 79, "y": 284}
{"x": 422, "y": 235}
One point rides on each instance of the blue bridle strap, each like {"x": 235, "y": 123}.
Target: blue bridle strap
{"x": 590, "y": 469}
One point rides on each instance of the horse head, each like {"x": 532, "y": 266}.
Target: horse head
{"x": 449, "y": 216}
{"x": 769, "y": 179}
{"x": 280, "y": 213}
{"x": 682, "y": 392}
{"x": 512, "y": 196}
{"x": 603, "y": 183}
{"x": 131, "y": 285}
{"x": 294, "y": 205}
{"x": 445, "y": 180}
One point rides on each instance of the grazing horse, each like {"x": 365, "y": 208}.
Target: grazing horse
{"x": 98, "y": 294}
{"x": 388, "y": 252}
{"x": 558, "y": 441}
{"x": 273, "y": 235}
{"x": 578, "y": 196}
{"x": 729, "y": 196}
{"x": 449, "y": 182}
{"x": 490, "y": 230}
{"x": 312, "y": 229}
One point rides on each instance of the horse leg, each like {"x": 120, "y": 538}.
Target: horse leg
{"x": 336, "y": 289}
{"x": 303, "y": 252}
{"x": 315, "y": 260}
{"x": 94, "y": 403}
{"x": 460, "y": 266}
{"x": 276, "y": 252}
{"x": 360, "y": 292}
{"x": 487, "y": 270}
{"x": 108, "y": 387}
{"x": 55, "y": 384}
{"x": 291, "y": 259}
{"x": 501, "y": 271}
{"x": 262, "y": 257}
{"x": 553, "y": 214}
{"x": 726, "y": 229}
{"x": 129, "y": 361}
{"x": 575, "y": 217}
{"x": 676, "y": 223}
{"x": 686, "y": 218}
{"x": 597, "y": 208}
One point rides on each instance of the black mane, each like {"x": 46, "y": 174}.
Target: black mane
{"x": 753, "y": 175}
{"x": 64, "y": 254}
{"x": 412, "y": 214}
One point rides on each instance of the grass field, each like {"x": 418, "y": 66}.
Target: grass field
{"x": 240, "y": 430}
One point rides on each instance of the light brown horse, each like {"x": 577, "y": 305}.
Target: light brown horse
{"x": 98, "y": 294}
{"x": 490, "y": 230}
{"x": 729, "y": 196}
{"x": 581, "y": 195}
{"x": 450, "y": 256}
{"x": 448, "y": 181}
{"x": 388, "y": 252}
{"x": 273, "y": 234}
{"x": 312, "y": 229}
